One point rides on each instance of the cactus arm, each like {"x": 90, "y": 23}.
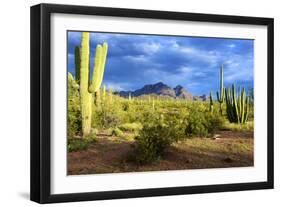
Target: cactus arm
{"x": 103, "y": 61}
{"x": 94, "y": 86}
{"x": 99, "y": 64}
{"x": 218, "y": 96}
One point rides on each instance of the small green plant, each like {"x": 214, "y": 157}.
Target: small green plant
{"x": 117, "y": 132}
{"x": 77, "y": 145}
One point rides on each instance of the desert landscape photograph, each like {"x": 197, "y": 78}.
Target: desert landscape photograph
{"x": 147, "y": 102}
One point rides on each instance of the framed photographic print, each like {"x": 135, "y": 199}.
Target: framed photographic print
{"x": 133, "y": 103}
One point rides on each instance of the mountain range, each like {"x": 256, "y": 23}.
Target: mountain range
{"x": 159, "y": 89}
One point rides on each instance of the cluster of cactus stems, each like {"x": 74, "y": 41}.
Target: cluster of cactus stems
{"x": 237, "y": 102}
{"x": 220, "y": 95}
{"x": 237, "y": 105}
{"x": 89, "y": 87}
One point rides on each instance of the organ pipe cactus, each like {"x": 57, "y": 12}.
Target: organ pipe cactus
{"x": 237, "y": 105}
{"x": 220, "y": 95}
{"x": 87, "y": 87}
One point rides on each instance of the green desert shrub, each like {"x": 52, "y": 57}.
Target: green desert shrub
{"x": 117, "y": 132}
{"x": 196, "y": 125}
{"x": 158, "y": 133}
{"x": 74, "y": 123}
{"x": 131, "y": 127}
{"x": 200, "y": 123}
{"x": 215, "y": 122}
{"x": 77, "y": 144}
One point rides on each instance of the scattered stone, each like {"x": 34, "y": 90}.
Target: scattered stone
{"x": 216, "y": 137}
{"x": 228, "y": 160}
{"x": 189, "y": 160}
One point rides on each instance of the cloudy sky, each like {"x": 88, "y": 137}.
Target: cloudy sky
{"x": 193, "y": 62}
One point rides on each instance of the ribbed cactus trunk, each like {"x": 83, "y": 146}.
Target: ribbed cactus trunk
{"x": 85, "y": 96}
{"x": 220, "y": 95}
{"x": 237, "y": 105}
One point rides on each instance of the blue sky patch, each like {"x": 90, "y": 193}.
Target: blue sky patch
{"x": 193, "y": 62}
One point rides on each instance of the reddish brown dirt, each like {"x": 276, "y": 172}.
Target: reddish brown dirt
{"x": 112, "y": 155}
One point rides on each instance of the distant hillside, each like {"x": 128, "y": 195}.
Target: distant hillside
{"x": 160, "y": 89}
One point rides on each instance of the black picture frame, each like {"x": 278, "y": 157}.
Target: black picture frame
{"x": 41, "y": 97}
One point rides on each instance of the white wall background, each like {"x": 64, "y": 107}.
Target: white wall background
{"x": 14, "y": 101}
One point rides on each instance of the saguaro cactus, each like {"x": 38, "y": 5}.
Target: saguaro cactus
{"x": 237, "y": 106}
{"x": 77, "y": 64}
{"x": 211, "y": 102}
{"x": 88, "y": 87}
{"x": 220, "y": 95}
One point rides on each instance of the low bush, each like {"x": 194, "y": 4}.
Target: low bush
{"x": 74, "y": 123}
{"x": 131, "y": 127}
{"x": 159, "y": 132}
{"x": 202, "y": 124}
{"x": 77, "y": 144}
{"x": 117, "y": 132}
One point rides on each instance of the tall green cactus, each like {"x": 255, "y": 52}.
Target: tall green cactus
{"x": 77, "y": 63}
{"x": 237, "y": 105}
{"x": 211, "y": 102}
{"x": 87, "y": 87}
{"x": 220, "y": 95}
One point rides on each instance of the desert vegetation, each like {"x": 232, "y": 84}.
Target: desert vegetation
{"x": 108, "y": 132}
